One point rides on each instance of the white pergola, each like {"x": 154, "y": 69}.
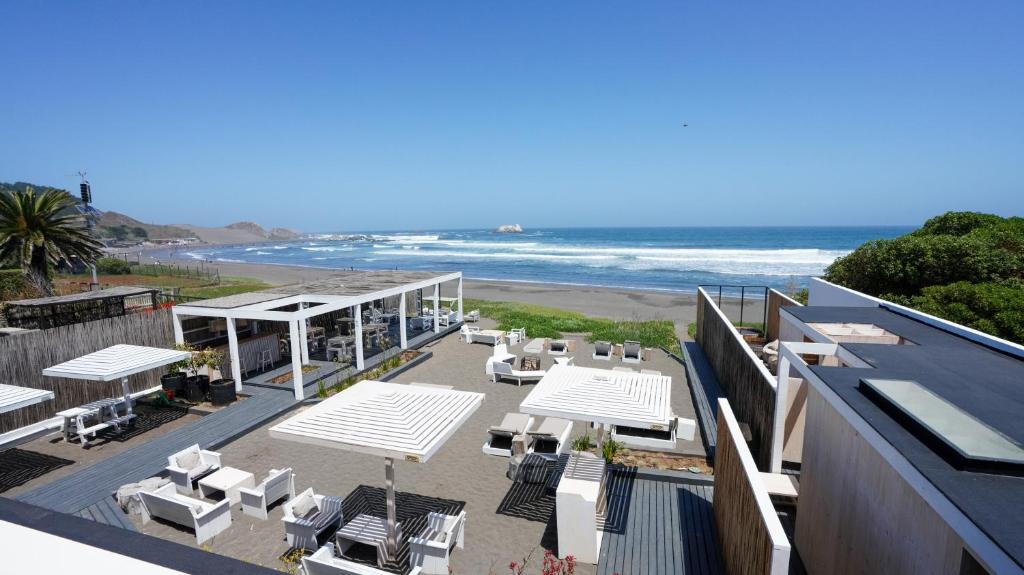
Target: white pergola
{"x": 116, "y": 362}
{"x": 345, "y": 291}
{"x": 390, "y": 420}
{"x": 602, "y": 396}
{"x": 14, "y": 397}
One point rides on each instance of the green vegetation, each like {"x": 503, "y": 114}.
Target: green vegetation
{"x": 691, "y": 328}
{"x": 966, "y": 267}
{"x": 582, "y": 443}
{"x": 541, "y": 321}
{"x": 226, "y": 287}
{"x": 14, "y": 284}
{"x": 113, "y": 266}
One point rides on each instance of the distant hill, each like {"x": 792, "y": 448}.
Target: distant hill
{"x": 120, "y": 226}
{"x": 238, "y": 233}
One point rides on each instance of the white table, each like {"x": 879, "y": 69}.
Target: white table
{"x": 365, "y": 529}
{"x": 228, "y": 480}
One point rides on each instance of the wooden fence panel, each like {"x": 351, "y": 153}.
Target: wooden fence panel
{"x": 749, "y": 533}
{"x": 23, "y": 358}
{"x": 776, "y": 300}
{"x": 745, "y": 380}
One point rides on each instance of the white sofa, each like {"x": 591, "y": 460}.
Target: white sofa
{"x": 500, "y": 355}
{"x": 432, "y": 549}
{"x": 280, "y": 483}
{"x": 501, "y": 370}
{"x": 206, "y": 518}
{"x": 325, "y": 562}
{"x": 307, "y": 515}
{"x": 190, "y": 465}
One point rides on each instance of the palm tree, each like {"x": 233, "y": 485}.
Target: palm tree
{"x": 41, "y": 229}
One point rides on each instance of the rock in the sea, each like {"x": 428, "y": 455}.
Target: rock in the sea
{"x": 510, "y": 229}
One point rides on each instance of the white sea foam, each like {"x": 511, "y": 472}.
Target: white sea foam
{"x": 329, "y": 249}
{"x": 228, "y": 260}
{"x": 407, "y": 238}
{"x": 194, "y": 255}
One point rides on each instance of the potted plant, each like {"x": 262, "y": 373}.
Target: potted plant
{"x": 196, "y": 384}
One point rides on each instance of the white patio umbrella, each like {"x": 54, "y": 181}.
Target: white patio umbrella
{"x": 602, "y": 396}
{"x": 116, "y": 362}
{"x": 407, "y": 422}
{"x": 15, "y": 397}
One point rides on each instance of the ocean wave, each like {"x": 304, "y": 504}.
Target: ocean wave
{"x": 263, "y": 253}
{"x": 407, "y": 238}
{"x": 229, "y": 260}
{"x": 329, "y": 249}
{"x": 494, "y": 255}
{"x": 194, "y": 255}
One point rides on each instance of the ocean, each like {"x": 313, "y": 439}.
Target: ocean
{"x": 673, "y": 259}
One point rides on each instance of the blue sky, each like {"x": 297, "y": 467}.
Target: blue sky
{"x": 400, "y": 115}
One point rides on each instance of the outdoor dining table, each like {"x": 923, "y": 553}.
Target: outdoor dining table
{"x": 368, "y": 530}
{"x": 339, "y": 345}
{"x": 105, "y": 410}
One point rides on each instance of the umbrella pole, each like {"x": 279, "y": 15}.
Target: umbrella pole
{"x": 127, "y": 396}
{"x": 389, "y": 481}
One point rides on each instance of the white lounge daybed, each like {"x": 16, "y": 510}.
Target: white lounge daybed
{"x": 189, "y": 465}
{"x": 552, "y": 437}
{"x": 308, "y": 515}
{"x": 603, "y": 350}
{"x": 505, "y": 371}
{"x": 205, "y": 518}
{"x": 326, "y": 562}
{"x": 501, "y": 436}
{"x": 278, "y": 485}
{"x": 631, "y": 352}
{"x": 432, "y": 549}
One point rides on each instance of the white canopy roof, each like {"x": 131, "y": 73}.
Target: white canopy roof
{"x": 13, "y": 397}
{"x": 386, "y": 419}
{"x": 116, "y": 362}
{"x": 602, "y": 396}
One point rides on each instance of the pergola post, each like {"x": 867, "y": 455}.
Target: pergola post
{"x": 389, "y": 483}
{"x": 437, "y": 306}
{"x": 236, "y": 366}
{"x": 459, "y": 295}
{"x": 403, "y": 342}
{"x": 357, "y": 315}
{"x": 293, "y": 329}
{"x": 303, "y": 341}
{"x": 179, "y": 335}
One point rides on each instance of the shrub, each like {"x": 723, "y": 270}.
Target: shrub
{"x": 14, "y": 284}
{"x": 994, "y": 308}
{"x": 113, "y": 266}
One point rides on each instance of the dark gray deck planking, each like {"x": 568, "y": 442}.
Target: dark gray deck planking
{"x": 107, "y": 511}
{"x": 668, "y": 526}
{"x": 706, "y": 391}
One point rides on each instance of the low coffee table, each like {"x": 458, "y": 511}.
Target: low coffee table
{"x": 530, "y": 363}
{"x": 228, "y": 480}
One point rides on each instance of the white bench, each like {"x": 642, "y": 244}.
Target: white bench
{"x": 207, "y": 519}
{"x": 278, "y": 484}
{"x": 308, "y": 515}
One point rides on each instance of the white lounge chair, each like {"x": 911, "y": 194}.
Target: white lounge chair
{"x": 189, "y": 465}
{"x": 551, "y": 437}
{"x": 516, "y": 336}
{"x": 631, "y": 352}
{"x": 603, "y": 350}
{"x": 205, "y": 518}
{"x": 467, "y": 332}
{"x": 308, "y": 515}
{"x": 326, "y": 562}
{"x": 473, "y": 316}
{"x": 500, "y": 355}
{"x": 501, "y": 436}
{"x": 558, "y": 347}
{"x": 432, "y": 549}
{"x": 505, "y": 371}
{"x": 279, "y": 483}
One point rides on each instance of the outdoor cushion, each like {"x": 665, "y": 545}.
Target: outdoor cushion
{"x": 189, "y": 460}
{"x": 305, "y": 507}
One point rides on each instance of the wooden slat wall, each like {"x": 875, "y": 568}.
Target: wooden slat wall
{"x": 740, "y": 524}
{"x": 751, "y": 394}
{"x": 23, "y": 358}
{"x": 776, "y": 300}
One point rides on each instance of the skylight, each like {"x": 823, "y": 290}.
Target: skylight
{"x": 965, "y": 441}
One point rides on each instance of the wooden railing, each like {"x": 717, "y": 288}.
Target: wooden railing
{"x": 750, "y": 535}
{"x": 776, "y": 301}
{"x": 26, "y": 355}
{"x": 745, "y": 380}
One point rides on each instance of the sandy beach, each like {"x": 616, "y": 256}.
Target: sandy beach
{"x": 612, "y": 303}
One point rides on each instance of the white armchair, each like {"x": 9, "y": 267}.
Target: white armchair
{"x": 326, "y": 562}
{"x": 278, "y": 484}
{"x": 308, "y": 515}
{"x": 500, "y": 355}
{"x": 473, "y": 316}
{"x": 516, "y": 335}
{"x": 432, "y": 549}
{"x": 190, "y": 465}
{"x": 206, "y": 518}
{"x": 467, "y": 331}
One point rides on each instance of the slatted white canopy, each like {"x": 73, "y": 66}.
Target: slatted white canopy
{"x": 385, "y": 419}
{"x": 116, "y": 362}
{"x": 602, "y": 396}
{"x": 14, "y": 397}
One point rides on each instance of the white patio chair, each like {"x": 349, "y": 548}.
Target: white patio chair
{"x": 502, "y": 436}
{"x": 603, "y": 350}
{"x": 205, "y": 518}
{"x": 516, "y": 336}
{"x": 552, "y": 437}
{"x": 505, "y": 371}
{"x": 278, "y": 484}
{"x": 308, "y": 515}
{"x": 190, "y": 465}
{"x": 631, "y": 352}
{"x": 473, "y": 316}
{"x": 467, "y": 332}
{"x": 326, "y": 562}
{"x": 432, "y": 549}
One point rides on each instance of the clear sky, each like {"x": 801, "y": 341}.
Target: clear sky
{"x": 333, "y": 116}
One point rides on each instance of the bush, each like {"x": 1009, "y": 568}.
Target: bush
{"x": 994, "y": 308}
{"x": 113, "y": 266}
{"x": 14, "y": 285}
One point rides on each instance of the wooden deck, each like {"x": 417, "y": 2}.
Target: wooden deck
{"x": 659, "y": 523}
{"x": 706, "y": 391}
